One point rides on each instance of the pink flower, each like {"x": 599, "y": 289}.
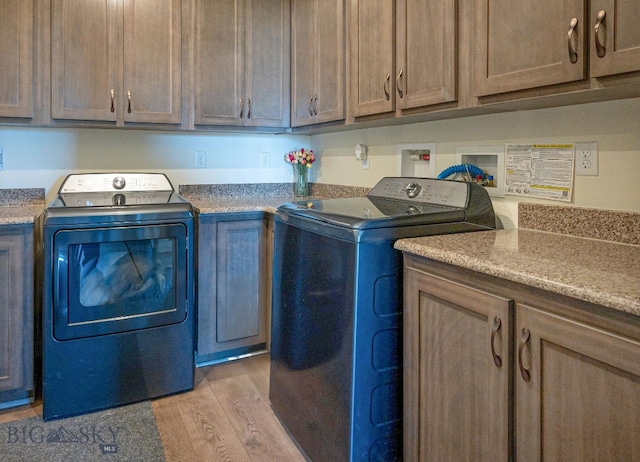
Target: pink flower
{"x": 300, "y": 156}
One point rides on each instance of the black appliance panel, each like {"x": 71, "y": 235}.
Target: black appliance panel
{"x": 109, "y": 280}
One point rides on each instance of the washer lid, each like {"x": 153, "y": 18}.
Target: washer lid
{"x": 400, "y": 202}
{"x": 372, "y": 212}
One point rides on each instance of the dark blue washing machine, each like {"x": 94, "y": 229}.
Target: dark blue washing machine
{"x": 118, "y": 293}
{"x": 336, "y": 343}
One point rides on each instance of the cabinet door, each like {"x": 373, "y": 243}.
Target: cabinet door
{"x": 615, "y": 48}
{"x": 426, "y": 52}
{"x": 456, "y": 390}
{"x": 219, "y": 62}
{"x": 242, "y": 289}
{"x": 152, "y": 60}
{"x": 267, "y": 52}
{"x": 16, "y": 315}
{"x": 16, "y": 56}
{"x": 304, "y": 43}
{"x": 372, "y": 57}
{"x": 582, "y": 397}
{"x": 526, "y": 44}
{"x": 328, "y": 104}
{"x": 85, "y": 53}
{"x": 317, "y": 64}
{"x": 232, "y": 285}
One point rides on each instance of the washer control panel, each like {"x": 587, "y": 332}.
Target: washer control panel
{"x": 108, "y": 182}
{"x": 423, "y": 191}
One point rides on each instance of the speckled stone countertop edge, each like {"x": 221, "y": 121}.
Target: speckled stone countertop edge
{"x": 20, "y": 206}
{"x": 265, "y": 191}
{"x": 601, "y": 272}
{"x": 259, "y": 197}
{"x": 19, "y": 214}
{"x": 244, "y": 204}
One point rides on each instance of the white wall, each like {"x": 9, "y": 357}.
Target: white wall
{"x": 614, "y": 125}
{"x": 42, "y": 157}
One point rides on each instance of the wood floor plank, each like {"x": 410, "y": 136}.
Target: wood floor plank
{"x": 226, "y": 418}
{"x": 258, "y": 367}
{"x": 21, "y": 412}
{"x": 202, "y": 430}
{"x": 250, "y": 413}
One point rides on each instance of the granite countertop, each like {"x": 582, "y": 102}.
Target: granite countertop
{"x": 258, "y": 197}
{"x": 19, "y": 214}
{"x": 601, "y": 272}
{"x": 270, "y": 204}
{"x": 20, "y": 206}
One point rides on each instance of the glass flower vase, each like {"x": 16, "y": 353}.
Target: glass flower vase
{"x": 300, "y": 180}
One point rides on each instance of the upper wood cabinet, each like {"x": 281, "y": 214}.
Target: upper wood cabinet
{"x": 16, "y": 56}
{"x": 426, "y": 52}
{"x": 242, "y": 63}
{"x": 527, "y": 44}
{"x": 537, "y": 43}
{"x": 317, "y": 61}
{"x": 403, "y": 64}
{"x": 117, "y": 60}
{"x": 371, "y": 61}
{"x": 615, "y": 37}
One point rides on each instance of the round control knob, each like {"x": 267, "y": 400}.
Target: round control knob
{"x": 413, "y": 189}
{"x": 119, "y": 199}
{"x": 119, "y": 182}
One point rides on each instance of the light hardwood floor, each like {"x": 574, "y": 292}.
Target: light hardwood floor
{"x": 227, "y": 417}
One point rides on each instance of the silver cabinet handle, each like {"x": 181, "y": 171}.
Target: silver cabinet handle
{"x": 248, "y": 108}
{"x": 385, "y": 87}
{"x": 241, "y": 108}
{"x": 573, "y": 54}
{"x": 600, "y": 48}
{"x": 399, "y": 85}
{"x": 315, "y": 104}
{"x": 113, "y": 94}
{"x": 497, "y": 323}
{"x": 129, "y": 102}
{"x": 524, "y": 339}
{"x": 311, "y": 105}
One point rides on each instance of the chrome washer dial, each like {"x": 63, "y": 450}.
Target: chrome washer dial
{"x": 119, "y": 182}
{"x": 413, "y": 189}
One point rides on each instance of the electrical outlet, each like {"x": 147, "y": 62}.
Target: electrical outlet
{"x": 586, "y": 159}
{"x": 201, "y": 159}
{"x": 265, "y": 159}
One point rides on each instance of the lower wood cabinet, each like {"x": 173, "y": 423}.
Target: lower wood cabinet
{"x": 577, "y": 388}
{"x": 498, "y": 371}
{"x": 16, "y": 315}
{"x": 456, "y": 381}
{"x": 233, "y": 280}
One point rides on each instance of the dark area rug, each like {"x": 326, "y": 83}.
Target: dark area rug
{"x": 127, "y": 433}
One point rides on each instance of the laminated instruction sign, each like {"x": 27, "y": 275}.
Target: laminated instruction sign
{"x": 544, "y": 171}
